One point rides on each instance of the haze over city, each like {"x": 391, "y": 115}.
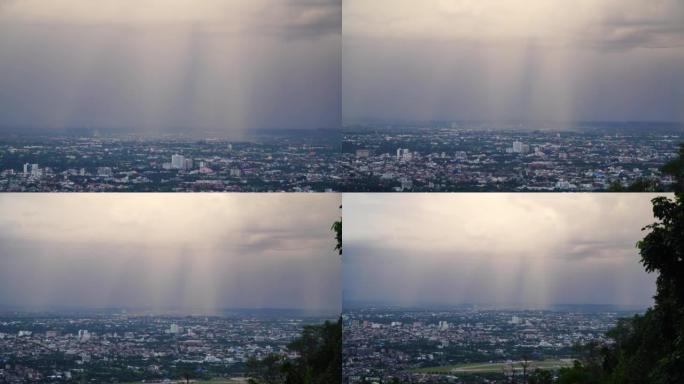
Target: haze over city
{"x": 517, "y": 250}
{"x": 493, "y": 60}
{"x": 155, "y": 66}
{"x": 198, "y": 253}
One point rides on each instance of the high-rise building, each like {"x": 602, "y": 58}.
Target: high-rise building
{"x": 35, "y": 170}
{"x": 404, "y": 154}
{"x": 177, "y": 161}
{"x": 520, "y": 147}
{"x": 83, "y": 335}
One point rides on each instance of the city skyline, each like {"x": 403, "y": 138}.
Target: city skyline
{"x": 163, "y": 252}
{"x": 505, "y": 250}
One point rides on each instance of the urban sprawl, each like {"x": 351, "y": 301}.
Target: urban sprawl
{"x": 62, "y": 348}
{"x": 371, "y": 157}
{"x": 464, "y": 345}
{"x": 471, "y": 157}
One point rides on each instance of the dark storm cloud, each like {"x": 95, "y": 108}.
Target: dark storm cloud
{"x": 188, "y": 252}
{"x": 175, "y": 65}
{"x": 508, "y": 249}
{"x": 498, "y": 60}
{"x": 310, "y": 19}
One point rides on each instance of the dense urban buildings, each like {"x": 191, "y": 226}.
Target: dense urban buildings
{"x": 292, "y": 161}
{"x": 168, "y": 287}
{"x": 466, "y": 344}
{"x": 461, "y": 156}
{"x": 117, "y": 346}
{"x": 372, "y": 157}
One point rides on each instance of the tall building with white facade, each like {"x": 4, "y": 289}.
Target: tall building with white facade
{"x": 177, "y": 161}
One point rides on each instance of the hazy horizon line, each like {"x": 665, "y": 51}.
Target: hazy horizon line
{"x": 29, "y": 309}
{"x": 356, "y": 304}
{"x": 510, "y": 121}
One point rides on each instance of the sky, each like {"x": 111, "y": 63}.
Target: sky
{"x": 187, "y": 252}
{"x": 529, "y": 250}
{"x": 159, "y": 65}
{"x": 500, "y": 60}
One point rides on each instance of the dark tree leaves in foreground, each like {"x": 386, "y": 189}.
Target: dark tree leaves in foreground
{"x": 648, "y": 348}
{"x": 337, "y": 228}
{"x": 674, "y": 168}
{"x": 319, "y": 362}
{"x": 540, "y": 376}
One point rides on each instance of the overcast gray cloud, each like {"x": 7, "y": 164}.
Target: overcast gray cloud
{"x": 152, "y": 65}
{"x": 501, "y": 60}
{"x": 169, "y": 251}
{"x": 506, "y": 249}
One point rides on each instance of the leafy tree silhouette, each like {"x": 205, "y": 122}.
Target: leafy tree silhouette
{"x": 319, "y": 362}
{"x": 674, "y": 168}
{"x": 337, "y": 228}
{"x": 648, "y": 348}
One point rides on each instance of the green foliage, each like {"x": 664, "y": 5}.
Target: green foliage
{"x": 337, "y": 228}
{"x": 578, "y": 374}
{"x": 269, "y": 370}
{"x": 540, "y": 376}
{"x": 319, "y": 362}
{"x": 647, "y": 348}
{"x": 641, "y": 184}
{"x": 675, "y": 168}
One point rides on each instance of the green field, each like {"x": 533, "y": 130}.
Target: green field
{"x": 495, "y": 367}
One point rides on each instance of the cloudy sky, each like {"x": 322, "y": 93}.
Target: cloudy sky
{"x": 169, "y": 251}
{"x": 502, "y": 60}
{"x": 149, "y": 65}
{"x": 532, "y": 250}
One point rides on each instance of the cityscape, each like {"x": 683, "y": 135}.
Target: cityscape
{"x": 278, "y": 161}
{"x": 372, "y": 157}
{"x": 168, "y": 288}
{"x": 467, "y": 344}
{"x": 449, "y": 157}
{"x": 472, "y": 288}
{"x": 125, "y": 346}
{"x": 175, "y": 174}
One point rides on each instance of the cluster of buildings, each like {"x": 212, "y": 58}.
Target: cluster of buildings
{"x": 296, "y": 164}
{"x": 382, "y": 344}
{"x": 417, "y": 158}
{"x": 371, "y": 158}
{"x": 122, "y": 348}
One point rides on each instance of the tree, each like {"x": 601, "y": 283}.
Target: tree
{"x": 647, "y": 348}
{"x": 525, "y": 365}
{"x": 269, "y": 370}
{"x": 337, "y": 228}
{"x": 319, "y": 362}
{"x": 320, "y": 350}
{"x": 641, "y": 184}
{"x": 662, "y": 252}
{"x": 577, "y": 374}
{"x": 540, "y": 376}
{"x": 675, "y": 168}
